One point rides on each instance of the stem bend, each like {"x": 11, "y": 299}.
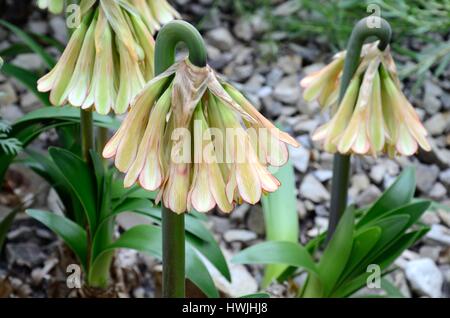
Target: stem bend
{"x": 360, "y": 33}
{"x": 170, "y": 36}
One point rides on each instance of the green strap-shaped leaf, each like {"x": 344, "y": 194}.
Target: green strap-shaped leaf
{"x": 363, "y": 244}
{"x": 395, "y": 250}
{"x": 46, "y": 168}
{"x": 31, "y": 43}
{"x": 392, "y": 229}
{"x": 281, "y": 217}
{"x": 5, "y": 224}
{"x": 197, "y": 273}
{"x": 292, "y": 254}
{"x": 78, "y": 176}
{"x": 64, "y": 113}
{"x": 399, "y": 194}
{"x": 336, "y": 255}
{"x": 196, "y": 233}
{"x": 415, "y": 209}
{"x": 391, "y": 290}
{"x": 72, "y": 234}
{"x": 148, "y": 239}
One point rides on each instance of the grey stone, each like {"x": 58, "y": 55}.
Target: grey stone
{"x": 59, "y": 28}
{"x": 368, "y": 196}
{"x": 38, "y": 27}
{"x": 287, "y": 90}
{"x": 287, "y": 8}
{"x": 290, "y": 64}
{"x": 321, "y": 225}
{"x": 300, "y": 158}
{"x": 240, "y": 212}
{"x": 431, "y": 252}
{"x": 438, "y": 191}
{"x": 313, "y": 190}
{"x": 425, "y": 277}
{"x": 7, "y": 94}
{"x": 243, "y": 29}
{"x": 360, "y": 182}
{"x": 242, "y": 72}
{"x": 274, "y": 76}
{"x": 221, "y": 38}
{"x": 239, "y": 236}
{"x": 426, "y": 177}
{"x": 29, "y": 102}
{"x": 431, "y": 101}
{"x": 255, "y": 83}
{"x": 242, "y": 282}
{"x": 445, "y": 217}
{"x": 430, "y": 218}
{"x": 259, "y": 23}
{"x": 440, "y": 234}
{"x": 445, "y": 177}
{"x": 438, "y": 123}
{"x": 11, "y": 112}
{"x": 29, "y": 61}
{"x": 306, "y": 126}
{"x": 272, "y": 107}
{"x": 377, "y": 173}
{"x": 264, "y": 91}
{"x": 323, "y": 175}
{"x": 25, "y": 254}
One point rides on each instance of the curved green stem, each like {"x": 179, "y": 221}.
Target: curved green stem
{"x": 341, "y": 164}
{"x": 87, "y": 134}
{"x": 170, "y": 36}
{"x": 173, "y": 224}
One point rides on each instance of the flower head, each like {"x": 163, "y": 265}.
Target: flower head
{"x": 198, "y": 141}
{"x": 374, "y": 116}
{"x": 107, "y": 61}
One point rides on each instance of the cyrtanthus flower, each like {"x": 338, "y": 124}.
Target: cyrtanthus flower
{"x": 198, "y": 141}
{"x": 108, "y": 59}
{"x": 374, "y": 116}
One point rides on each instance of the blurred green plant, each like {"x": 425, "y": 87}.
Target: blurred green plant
{"x": 281, "y": 218}
{"x": 380, "y": 234}
{"x": 90, "y": 206}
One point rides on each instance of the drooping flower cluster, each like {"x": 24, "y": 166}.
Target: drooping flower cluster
{"x": 374, "y": 116}
{"x": 108, "y": 59}
{"x": 190, "y": 107}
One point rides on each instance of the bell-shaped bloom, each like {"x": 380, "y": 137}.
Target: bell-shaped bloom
{"x": 54, "y": 6}
{"x": 323, "y": 85}
{"x": 108, "y": 59}
{"x": 155, "y": 12}
{"x": 374, "y": 116}
{"x": 197, "y": 141}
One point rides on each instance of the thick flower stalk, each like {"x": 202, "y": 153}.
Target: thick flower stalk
{"x": 374, "y": 116}
{"x": 107, "y": 61}
{"x": 232, "y": 142}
